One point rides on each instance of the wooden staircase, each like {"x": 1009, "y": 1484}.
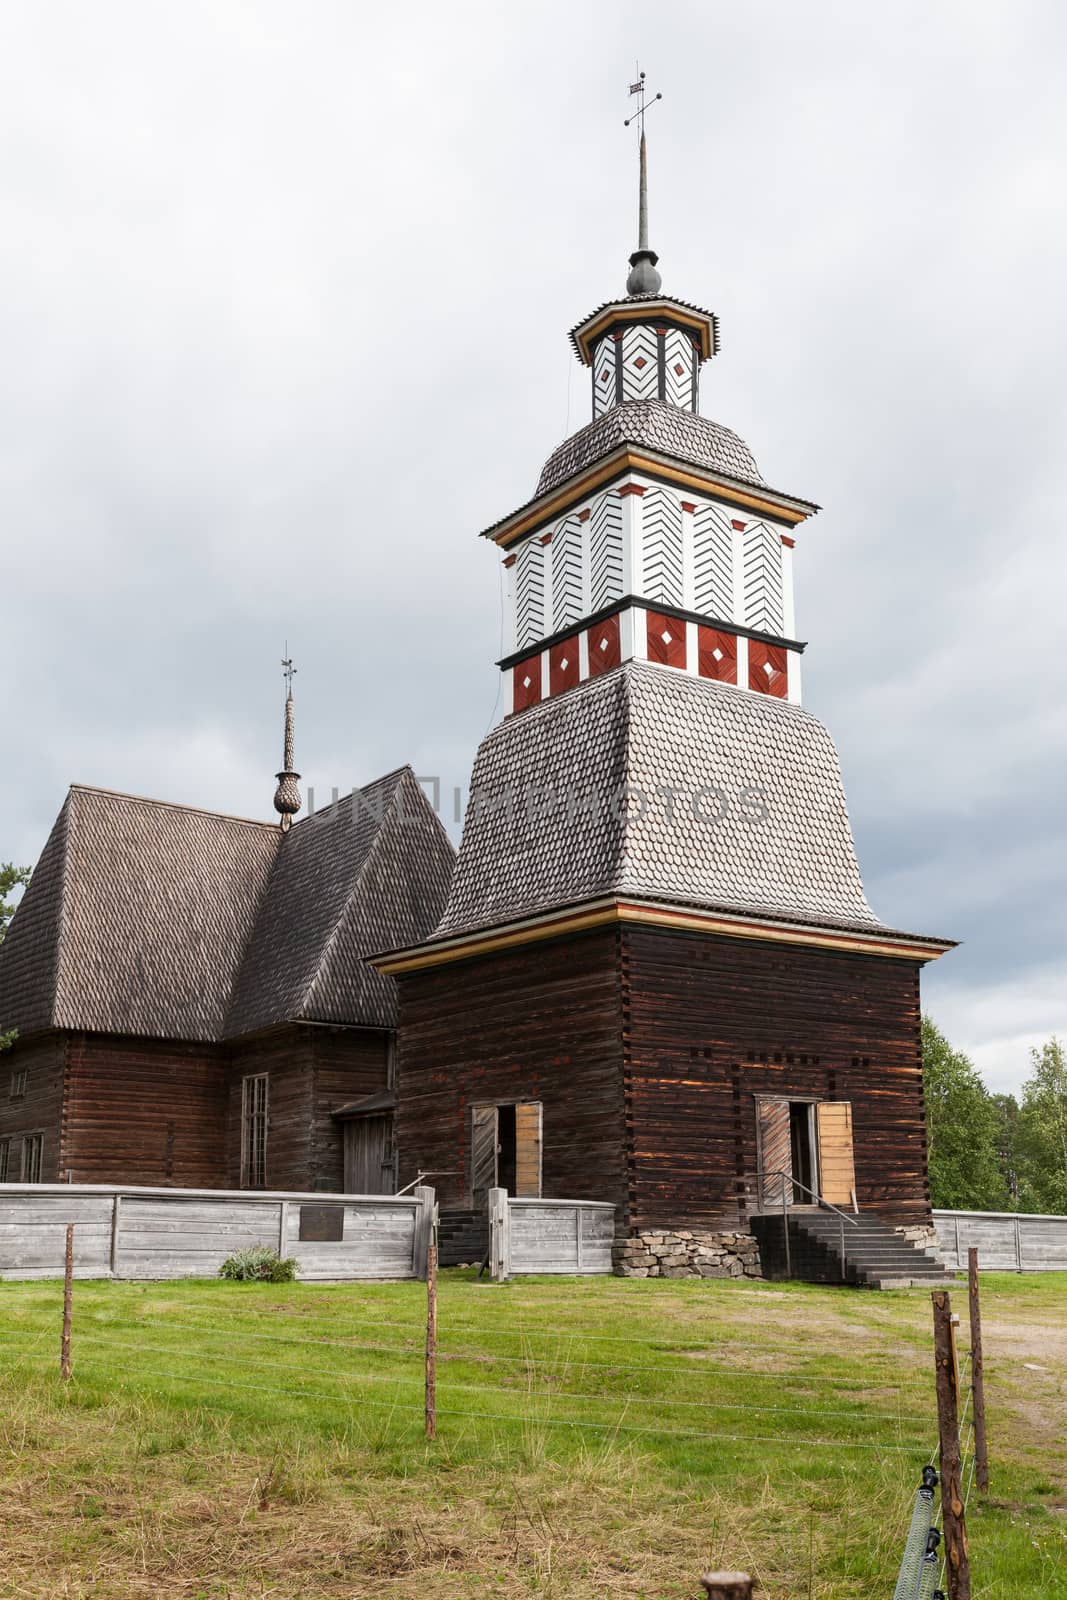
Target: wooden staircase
{"x": 462, "y": 1238}
{"x": 875, "y": 1255}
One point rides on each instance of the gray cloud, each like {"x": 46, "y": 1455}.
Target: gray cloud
{"x": 283, "y": 296}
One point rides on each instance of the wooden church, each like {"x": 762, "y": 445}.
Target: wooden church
{"x": 657, "y": 980}
{"x": 651, "y": 977}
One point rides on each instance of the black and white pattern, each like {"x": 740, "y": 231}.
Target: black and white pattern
{"x": 566, "y": 552}
{"x": 605, "y": 548}
{"x": 604, "y": 395}
{"x": 530, "y": 594}
{"x": 713, "y": 561}
{"x": 680, "y": 370}
{"x": 661, "y": 526}
{"x": 763, "y": 578}
{"x": 639, "y": 350}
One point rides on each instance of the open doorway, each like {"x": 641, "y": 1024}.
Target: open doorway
{"x": 506, "y": 1150}
{"x": 802, "y": 1151}
{"x": 788, "y": 1152}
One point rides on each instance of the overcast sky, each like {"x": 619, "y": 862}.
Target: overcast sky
{"x": 283, "y": 301}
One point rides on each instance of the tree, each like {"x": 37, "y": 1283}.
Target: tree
{"x": 11, "y": 878}
{"x": 962, "y": 1130}
{"x": 1043, "y": 1130}
{"x": 1009, "y": 1150}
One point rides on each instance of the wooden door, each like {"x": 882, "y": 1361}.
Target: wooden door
{"x": 369, "y": 1155}
{"x": 775, "y": 1152}
{"x": 837, "y": 1171}
{"x": 528, "y": 1150}
{"x": 483, "y": 1152}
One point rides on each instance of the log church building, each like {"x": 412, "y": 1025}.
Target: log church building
{"x": 651, "y": 976}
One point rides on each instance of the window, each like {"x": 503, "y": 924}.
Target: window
{"x": 32, "y": 1152}
{"x": 5, "y": 1159}
{"x": 254, "y": 1132}
{"x": 18, "y": 1084}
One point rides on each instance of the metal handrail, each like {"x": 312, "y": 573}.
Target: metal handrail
{"x": 776, "y": 1172}
{"x": 416, "y": 1181}
{"x": 787, "y": 1177}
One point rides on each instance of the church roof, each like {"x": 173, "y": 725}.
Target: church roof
{"x": 685, "y": 435}
{"x": 735, "y": 804}
{"x": 166, "y": 921}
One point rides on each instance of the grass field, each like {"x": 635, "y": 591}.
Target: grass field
{"x": 597, "y": 1438}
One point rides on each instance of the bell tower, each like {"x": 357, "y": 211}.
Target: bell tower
{"x": 652, "y": 534}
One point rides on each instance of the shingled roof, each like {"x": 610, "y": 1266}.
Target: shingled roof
{"x": 685, "y": 435}
{"x": 735, "y": 804}
{"x": 165, "y": 921}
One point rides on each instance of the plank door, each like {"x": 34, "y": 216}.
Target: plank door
{"x": 369, "y": 1155}
{"x": 837, "y": 1170}
{"x": 483, "y": 1152}
{"x": 528, "y": 1150}
{"x": 775, "y": 1151}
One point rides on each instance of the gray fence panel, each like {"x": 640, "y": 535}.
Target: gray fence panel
{"x": 160, "y": 1234}
{"x": 1006, "y": 1241}
{"x": 560, "y": 1236}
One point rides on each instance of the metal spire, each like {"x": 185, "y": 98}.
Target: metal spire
{"x": 643, "y": 278}
{"x": 287, "y": 801}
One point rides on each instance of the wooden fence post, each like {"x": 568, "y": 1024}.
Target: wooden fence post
{"x": 423, "y": 1227}
{"x": 499, "y": 1235}
{"x": 981, "y": 1449}
{"x": 116, "y": 1224}
{"x": 957, "y": 1559}
{"x": 68, "y": 1280}
{"x": 727, "y": 1585}
{"x": 431, "y": 1337}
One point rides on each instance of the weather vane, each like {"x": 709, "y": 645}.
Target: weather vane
{"x": 639, "y": 89}
{"x": 287, "y": 668}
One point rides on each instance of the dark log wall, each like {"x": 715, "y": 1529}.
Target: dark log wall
{"x": 311, "y": 1071}
{"x": 143, "y": 1111}
{"x": 348, "y": 1065}
{"x": 713, "y": 1022}
{"x": 39, "y": 1110}
{"x": 542, "y": 1023}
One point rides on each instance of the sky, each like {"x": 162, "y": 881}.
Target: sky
{"x": 284, "y": 293}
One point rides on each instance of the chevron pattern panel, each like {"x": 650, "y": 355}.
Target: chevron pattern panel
{"x": 713, "y": 562}
{"x": 530, "y": 594}
{"x": 605, "y": 544}
{"x": 604, "y": 376}
{"x": 763, "y": 578}
{"x": 661, "y": 524}
{"x": 680, "y": 364}
{"x": 639, "y": 349}
{"x": 566, "y": 548}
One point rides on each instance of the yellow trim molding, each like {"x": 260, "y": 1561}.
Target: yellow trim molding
{"x": 557, "y": 925}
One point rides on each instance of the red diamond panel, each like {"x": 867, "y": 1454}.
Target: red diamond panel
{"x": 666, "y": 639}
{"x": 768, "y": 668}
{"x": 604, "y": 648}
{"x": 563, "y": 666}
{"x": 527, "y": 683}
{"x": 716, "y": 654}
{"x": 640, "y": 362}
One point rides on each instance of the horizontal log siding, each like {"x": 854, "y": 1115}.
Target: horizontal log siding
{"x": 40, "y": 1109}
{"x": 714, "y": 1022}
{"x": 143, "y": 1111}
{"x": 540, "y": 1023}
{"x": 288, "y": 1058}
{"x": 348, "y": 1065}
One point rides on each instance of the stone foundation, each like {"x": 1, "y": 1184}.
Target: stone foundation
{"x": 924, "y": 1236}
{"x": 687, "y": 1253}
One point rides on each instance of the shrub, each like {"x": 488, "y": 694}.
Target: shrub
{"x": 258, "y": 1265}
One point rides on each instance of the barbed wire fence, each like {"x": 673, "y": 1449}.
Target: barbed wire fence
{"x": 408, "y": 1370}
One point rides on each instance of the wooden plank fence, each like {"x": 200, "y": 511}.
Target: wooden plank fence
{"x": 187, "y": 1233}
{"x": 550, "y": 1236}
{"x": 1007, "y": 1241}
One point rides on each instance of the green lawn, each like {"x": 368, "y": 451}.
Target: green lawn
{"x": 597, "y": 1438}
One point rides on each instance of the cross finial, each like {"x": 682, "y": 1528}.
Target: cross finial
{"x": 287, "y": 800}
{"x": 643, "y": 279}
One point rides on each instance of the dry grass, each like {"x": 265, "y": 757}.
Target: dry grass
{"x": 130, "y": 1484}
